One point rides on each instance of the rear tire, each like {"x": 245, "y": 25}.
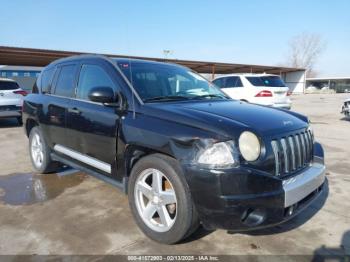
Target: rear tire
{"x": 166, "y": 215}
{"x": 40, "y": 152}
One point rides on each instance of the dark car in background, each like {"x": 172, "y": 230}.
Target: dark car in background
{"x": 182, "y": 150}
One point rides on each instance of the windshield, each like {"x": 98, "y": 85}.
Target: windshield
{"x": 270, "y": 81}
{"x": 8, "y": 85}
{"x": 161, "y": 82}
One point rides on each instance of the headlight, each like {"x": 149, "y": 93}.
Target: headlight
{"x": 249, "y": 145}
{"x": 219, "y": 155}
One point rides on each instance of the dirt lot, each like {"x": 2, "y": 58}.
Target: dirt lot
{"x": 77, "y": 214}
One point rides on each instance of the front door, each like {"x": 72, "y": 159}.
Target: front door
{"x": 92, "y": 127}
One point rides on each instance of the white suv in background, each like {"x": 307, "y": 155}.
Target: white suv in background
{"x": 263, "y": 89}
{"x": 11, "y": 99}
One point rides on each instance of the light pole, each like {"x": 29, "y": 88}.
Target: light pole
{"x": 166, "y": 53}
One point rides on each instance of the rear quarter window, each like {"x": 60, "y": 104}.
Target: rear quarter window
{"x": 255, "y": 81}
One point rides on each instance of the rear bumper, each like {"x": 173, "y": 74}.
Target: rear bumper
{"x": 241, "y": 200}
{"x": 10, "y": 111}
{"x": 284, "y": 106}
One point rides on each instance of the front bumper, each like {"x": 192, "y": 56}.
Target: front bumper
{"x": 240, "y": 199}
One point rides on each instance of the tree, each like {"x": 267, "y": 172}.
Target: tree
{"x": 304, "y": 50}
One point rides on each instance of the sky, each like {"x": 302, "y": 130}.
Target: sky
{"x": 236, "y": 31}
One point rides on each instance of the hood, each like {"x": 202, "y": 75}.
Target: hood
{"x": 229, "y": 113}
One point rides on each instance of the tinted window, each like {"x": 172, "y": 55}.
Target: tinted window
{"x": 46, "y": 79}
{"x": 218, "y": 82}
{"x": 92, "y": 76}
{"x": 233, "y": 81}
{"x": 8, "y": 85}
{"x": 270, "y": 81}
{"x": 255, "y": 81}
{"x": 65, "y": 81}
{"x": 37, "y": 85}
{"x": 165, "y": 82}
{"x": 273, "y": 81}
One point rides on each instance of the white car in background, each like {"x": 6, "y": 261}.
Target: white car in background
{"x": 346, "y": 108}
{"x": 263, "y": 89}
{"x": 11, "y": 99}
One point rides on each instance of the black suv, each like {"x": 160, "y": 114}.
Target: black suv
{"x": 181, "y": 149}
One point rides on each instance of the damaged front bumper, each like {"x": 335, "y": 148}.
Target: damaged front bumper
{"x": 239, "y": 199}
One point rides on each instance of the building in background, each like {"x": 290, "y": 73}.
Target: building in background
{"x": 293, "y": 77}
{"x": 338, "y": 84}
{"x": 25, "y": 76}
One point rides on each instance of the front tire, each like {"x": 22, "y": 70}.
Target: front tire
{"x": 40, "y": 152}
{"x": 160, "y": 199}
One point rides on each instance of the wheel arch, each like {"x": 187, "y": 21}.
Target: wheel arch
{"x": 134, "y": 153}
{"x": 30, "y": 123}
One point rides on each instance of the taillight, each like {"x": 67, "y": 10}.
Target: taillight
{"x": 264, "y": 93}
{"x": 20, "y": 92}
{"x": 289, "y": 93}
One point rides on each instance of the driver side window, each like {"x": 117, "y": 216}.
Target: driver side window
{"x": 92, "y": 76}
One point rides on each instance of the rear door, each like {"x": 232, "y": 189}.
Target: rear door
{"x": 61, "y": 94}
{"x": 92, "y": 127}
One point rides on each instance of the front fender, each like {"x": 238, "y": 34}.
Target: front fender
{"x": 318, "y": 153}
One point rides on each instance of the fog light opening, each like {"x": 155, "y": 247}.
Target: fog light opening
{"x": 252, "y": 217}
{"x": 291, "y": 210}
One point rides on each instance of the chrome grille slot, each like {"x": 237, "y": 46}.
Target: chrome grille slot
{"x": 307, "y": 147}
{"x": 303, "y": 149}
{"x": 299, "y": 156}
{"x": 276, "y": 154}
{"x": 292, "y": 152}
{"x": 285, "y": 155}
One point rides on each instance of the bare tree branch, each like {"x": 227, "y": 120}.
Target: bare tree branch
{"x": 304, "y": 50}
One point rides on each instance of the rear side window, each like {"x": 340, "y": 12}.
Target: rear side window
{"x": 255, "y": 81}
{"x": 92, "y": 76}
{"x": 66, "y": 81}
{"x": 46, "y": 80}
{"x": 233, "y": 81}
{"x": 219, "y": 82}
{"x": 8, "y": 85}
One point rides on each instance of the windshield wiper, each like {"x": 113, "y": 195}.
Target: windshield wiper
{"x": 210, "y": 96}
{"x": 165, "y": 98}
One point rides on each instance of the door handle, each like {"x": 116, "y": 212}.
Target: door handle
{"x": 74, "y": 111}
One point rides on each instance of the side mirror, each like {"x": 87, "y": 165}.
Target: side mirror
{"x": 103, "y": 94}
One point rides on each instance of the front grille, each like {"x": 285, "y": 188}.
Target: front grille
{"x": 292, "y": 153}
